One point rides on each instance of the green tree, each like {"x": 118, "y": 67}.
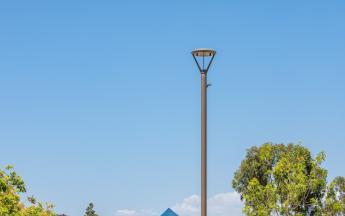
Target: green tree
{"x": 11, "y": 187}
{"x": 89, "y": 210}
{"x": 277, "y": 179}
{"x": 335, "y": 198}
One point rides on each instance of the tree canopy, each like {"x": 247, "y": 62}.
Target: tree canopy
{"x": 11, "y": 187}
{"x": 277, "y": 179}
{"x": 90, "y": 211}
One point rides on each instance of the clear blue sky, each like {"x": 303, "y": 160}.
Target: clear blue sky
{"x": 99, "y": 100}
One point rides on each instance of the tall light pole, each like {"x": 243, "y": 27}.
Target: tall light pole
{"x": 200, "y": 55}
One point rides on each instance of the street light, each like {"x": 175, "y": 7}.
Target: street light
{"x": 203, "y": 59}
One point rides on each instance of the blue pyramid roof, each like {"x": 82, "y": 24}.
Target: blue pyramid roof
{"x": 169, "y": 212}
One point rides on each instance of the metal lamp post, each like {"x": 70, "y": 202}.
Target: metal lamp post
{"x": 200, "y": 55}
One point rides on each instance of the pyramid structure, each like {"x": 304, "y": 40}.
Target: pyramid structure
{"x": 169, "y": 212}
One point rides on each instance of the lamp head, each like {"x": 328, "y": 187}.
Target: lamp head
{"x": 202, "y": 54}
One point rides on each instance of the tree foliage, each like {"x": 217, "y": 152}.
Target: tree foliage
{"x": 277, "y": 179}
{"x": 89, "y": 210}
{"x": 335, "y": 198}
{"x": 11, "y": 187}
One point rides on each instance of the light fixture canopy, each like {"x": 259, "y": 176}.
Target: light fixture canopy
{"x": 202, "y": 54}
